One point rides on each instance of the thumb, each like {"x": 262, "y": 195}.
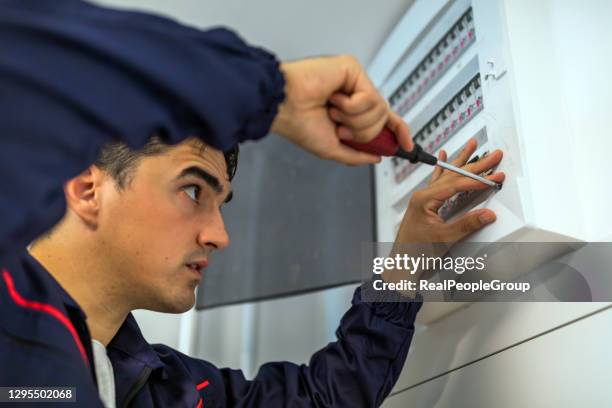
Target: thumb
{"x": 470, "y": 223}
{"x": 400, "y": 129}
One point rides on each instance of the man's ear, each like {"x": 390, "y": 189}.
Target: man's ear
{"x": 83, "y": 195}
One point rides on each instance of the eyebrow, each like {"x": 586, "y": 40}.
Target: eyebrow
{"x": 212, "y": 181}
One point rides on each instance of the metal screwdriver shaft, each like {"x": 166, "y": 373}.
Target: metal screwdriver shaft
{"x": 385, "y": 144}
{"x": 458, "y": 170}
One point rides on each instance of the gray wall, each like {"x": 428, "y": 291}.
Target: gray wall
{"x": 296, "y": 224}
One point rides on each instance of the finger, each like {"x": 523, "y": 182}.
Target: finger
{"x": 469, "y": 223}
{"x": 359, "y": 121}
{"x": 401, "y": 131}
{"x": 468, "y": 150}
{"x": 347, "y": 155}
{"x": 438, "y": 170}
{"x": 486, "y": 163}
{"x": 438, "y": 193}
{"x": 366, "y": 135}
{"x": 462, "y": 183}
{"x": 344, "y": 133}
{"x": 356, "y": 103}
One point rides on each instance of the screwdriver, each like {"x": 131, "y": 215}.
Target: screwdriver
{"x": 385, "y": 144}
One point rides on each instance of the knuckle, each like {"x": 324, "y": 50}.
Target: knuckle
{"x": 439, "y": 236}
{"x": 470, "y": 225}
{"x": 465, "y": 227}
{"x": 447, "y": 191}
{"x": 437, "y": 232}
{"x": 356, "y": 104}
{"x": 375, "y": 100}
{"x": 350, "y": 59}
{"x": 434, "y": 224}
{"x": 417, "y": 197}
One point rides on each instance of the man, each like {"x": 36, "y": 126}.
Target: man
{"x": 154, "y": 105}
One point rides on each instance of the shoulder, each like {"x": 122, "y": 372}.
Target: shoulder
{"x": 171, "y": 356}
{"x": 202, "y": 375}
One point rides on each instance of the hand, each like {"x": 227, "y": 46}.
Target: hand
{"x": 329, "y": 99}
{"x": 421, "y": 222}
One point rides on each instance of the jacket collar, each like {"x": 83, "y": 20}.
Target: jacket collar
{"x": 129, "y": 340}
{"x": 132, "y": 357}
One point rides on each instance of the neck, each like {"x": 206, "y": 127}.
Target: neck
{"x": 84, "y": 277}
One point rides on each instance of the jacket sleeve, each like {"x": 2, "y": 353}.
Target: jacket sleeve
{"x": 357, "y": 370}
{"x": 74, "y": 76}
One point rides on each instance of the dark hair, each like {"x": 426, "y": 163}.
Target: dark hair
{"x": 119, "y": 160}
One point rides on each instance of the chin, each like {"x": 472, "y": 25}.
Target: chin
{"x": 178, "y": 304}
{"x": 184, "y": 305}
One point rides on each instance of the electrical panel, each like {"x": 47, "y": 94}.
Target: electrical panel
{"x": 498, "y": 71}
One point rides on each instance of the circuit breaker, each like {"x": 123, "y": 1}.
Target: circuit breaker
{"x": 499, "y": 71}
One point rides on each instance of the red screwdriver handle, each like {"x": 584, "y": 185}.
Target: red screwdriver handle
{"x": 385, "y": 144}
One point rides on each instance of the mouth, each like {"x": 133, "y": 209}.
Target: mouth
{"x": 197, "y": 266}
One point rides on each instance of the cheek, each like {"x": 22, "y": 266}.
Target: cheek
{"x": 155, "y": 233}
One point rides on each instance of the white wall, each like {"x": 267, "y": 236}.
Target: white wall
{"x": 159, "y": 327}
{"x": 291, "y": 29}
{"x": 569, "y": 367}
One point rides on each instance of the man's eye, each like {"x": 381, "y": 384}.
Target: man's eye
{"x": 193, "y": 192}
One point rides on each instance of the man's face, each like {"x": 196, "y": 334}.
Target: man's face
{"x": 157, "y": 233}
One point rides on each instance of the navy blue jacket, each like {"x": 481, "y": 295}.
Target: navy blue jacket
{"x": 74, "y": 76}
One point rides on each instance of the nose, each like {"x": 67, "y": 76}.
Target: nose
{"x": 213, "y": 233}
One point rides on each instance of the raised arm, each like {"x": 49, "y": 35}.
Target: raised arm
{"x": 363, "y": 365}
{"x": 358, "y": 370}
{"x": 74, "y": 76}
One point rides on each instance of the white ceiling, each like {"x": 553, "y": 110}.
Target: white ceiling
{"x": 291, "y": 29}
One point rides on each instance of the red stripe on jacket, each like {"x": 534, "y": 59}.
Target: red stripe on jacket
{"x": 45, "y": 308}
